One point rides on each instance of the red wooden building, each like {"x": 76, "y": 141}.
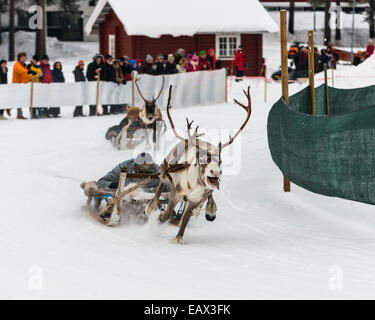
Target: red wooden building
{"x": 123, "y": 33}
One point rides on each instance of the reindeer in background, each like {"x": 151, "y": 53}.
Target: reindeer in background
{"x": 198, "y": 175}
{"x": 150, "y": 114}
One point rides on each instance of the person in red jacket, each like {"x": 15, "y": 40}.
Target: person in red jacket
{"x": 204, "y": 63}
{"x": 370, "y": 48}
{"x": 47, "y": 78}
{"x": 240, "y": 62}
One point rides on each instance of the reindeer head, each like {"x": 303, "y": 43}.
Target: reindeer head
{"x": 207, "y": 156}
{"x": 150, "y": 105}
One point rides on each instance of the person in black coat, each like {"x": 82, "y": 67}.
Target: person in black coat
{"x": 109, "y": 76}
{"x": 170, "y": 67}
{"x": 95, "y": 68}
{"x": 79, "y": 76}
{"x": 3, "y": 80}
{"x": 57, "y": 77}
{"x": 160, "y": 65}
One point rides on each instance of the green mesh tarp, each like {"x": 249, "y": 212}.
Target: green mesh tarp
{"x": 331, "y": 155}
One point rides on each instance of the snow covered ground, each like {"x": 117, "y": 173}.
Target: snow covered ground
{"x": 264, "y": 243}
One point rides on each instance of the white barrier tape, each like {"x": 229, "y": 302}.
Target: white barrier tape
{"x": 195, "y": 88}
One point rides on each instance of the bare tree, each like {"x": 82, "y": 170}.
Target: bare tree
{"x": 371, "y": 17}
{"x": 327, "y": 28}
{"x": 291, "y": 17}
{"x": 11, "y": 29}
{"x": 338, "y": 30}
{"x": 41, "y": 34}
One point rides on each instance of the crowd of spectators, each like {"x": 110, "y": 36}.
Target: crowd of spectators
{"x": 109, "y": 69}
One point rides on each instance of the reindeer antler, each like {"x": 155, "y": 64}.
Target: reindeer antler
{"x": 161, "y": 90}
{"x": 248, "y": 110}
{"x": 140, "y": 93}
{"x": 169, "y": 115}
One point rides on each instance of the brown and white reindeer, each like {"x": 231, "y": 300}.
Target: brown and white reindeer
{"x": 150, "y": 114}
{"x": 197, "y": 175}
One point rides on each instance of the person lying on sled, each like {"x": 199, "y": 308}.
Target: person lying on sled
{"x": 129, "y": 125}
{"x": 143, "y": 163}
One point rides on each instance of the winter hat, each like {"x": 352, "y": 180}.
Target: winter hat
{"x": 144, "y": 158}
{"x": 108, "y": 57}
{"x": 181, "y": 52}
{"x": 98, "y": 55}
{"x": 182, "y": 61}
{"x": 126, "y": 58}
{"x": 35, "y": 57}
{"x": 203, "y": 52}
{"x": 171, "y": 56}
{"x": 2, "y": 61}
{"x": 195, "y": 58}
{"x": 81, "y": 62}
{"x": 45, "y": 57}
{"x": 149, "y": 58}
{"x": 160, "y": 55}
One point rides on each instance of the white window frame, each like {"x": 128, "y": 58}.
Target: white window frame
{"x": 227, "y": 36}
{"x": 112, "y": 45}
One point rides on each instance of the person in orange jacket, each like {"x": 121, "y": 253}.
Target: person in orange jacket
{"x": 21, "y": 75}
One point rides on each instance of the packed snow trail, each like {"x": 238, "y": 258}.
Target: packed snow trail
{"x": 263, "y": 244}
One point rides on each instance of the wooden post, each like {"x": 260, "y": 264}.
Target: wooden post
{"x": 133, "y": 89}
{"x": 226, "y": 86}
{"x": 284, "y": 71}
{"x": 333, "y": 77}
{"x": 311, "y": 71}
{"x": 31, "y": 97}
{"x": 97, "y": 95}
{"x": 265, "y": 83}
{"x": 326, "y": 89}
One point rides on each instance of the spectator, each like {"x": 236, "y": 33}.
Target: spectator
{"x": 215, "y": 63}
{"x": 126, "y": 70}
{"x": 3, "y": 80}
{"x": 170, "y": 67}
{"x": 212, "y": 58}
{"x": 370, "y": 48}
{"x": 149, "y": 67}
{"x": 139, "y": 65}
{"x": 109, "y": 76}
{"x": 21, "y": 75}
{"x": 58, "y": 77}
{"x": 47, "y": 78}
{"x": 119, "y": 80}
{"x": 325, "y": 58}
{"x": 239, "y": 62}
{"x": 133, "y": 65}
{"x": 79, "y": 76}
{"x": 193, "y": 64}
{"x": 95, "y": 69}
{"x": 180, "y": 53}
{"x": 204, "y": 63}
{"x": 37, "y": 78}
{"x": 160, "y": 65}
{"x": 181, "y": 67}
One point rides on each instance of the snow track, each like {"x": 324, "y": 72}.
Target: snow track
{"x": 263, "y": 244}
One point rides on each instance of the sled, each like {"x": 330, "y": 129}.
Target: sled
{"x": 128, "y": 140}
{"x": 127, "y": 201}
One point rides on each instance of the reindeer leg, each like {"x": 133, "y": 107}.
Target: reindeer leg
{"x": 185, "y": 220}
{"x": 154, "y": 132}
{"x": 211, "y": 208}
{"x": 152, "y": 206}
{"x": 163, "y": 217}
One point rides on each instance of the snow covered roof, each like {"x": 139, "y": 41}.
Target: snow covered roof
{"x": 148, "y": 18}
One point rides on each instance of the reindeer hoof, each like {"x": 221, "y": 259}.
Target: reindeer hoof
{"x": 179, "y": 240}
{"x": 210, "y": 218}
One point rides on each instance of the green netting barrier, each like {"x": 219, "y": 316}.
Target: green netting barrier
{"x": 330, "y": 155}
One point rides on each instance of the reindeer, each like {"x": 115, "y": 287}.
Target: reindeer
{"x": 199, "y": 174}
{"x": 150, "y": 114}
